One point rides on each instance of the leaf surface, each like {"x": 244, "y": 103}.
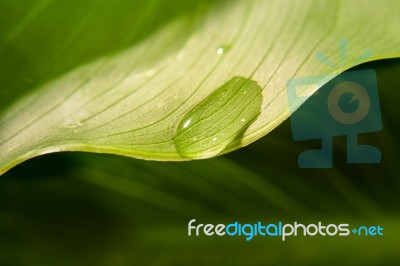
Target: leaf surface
{"x": 122, "y": 77}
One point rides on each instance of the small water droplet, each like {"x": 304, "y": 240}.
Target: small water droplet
{"x": 187, "y": 123}
{"x": 219, "y": 121}
{"x": 74, "y": 125}
{"x": 223, "y": 49}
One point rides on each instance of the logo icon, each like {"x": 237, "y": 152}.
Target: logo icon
{"x": 347, "y": 105}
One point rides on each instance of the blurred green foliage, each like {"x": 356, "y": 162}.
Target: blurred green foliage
{"x": 47, "y": 50}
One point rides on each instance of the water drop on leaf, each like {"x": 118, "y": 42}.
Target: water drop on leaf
{"x": 223, "y": 49}
{"x": 218, "y": 122}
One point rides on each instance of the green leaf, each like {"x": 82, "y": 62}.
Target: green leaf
{"x": 121, "y": 76}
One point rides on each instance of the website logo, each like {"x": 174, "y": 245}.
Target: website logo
{"x": 280, "y": 230}
{"x": 347, "y": 105}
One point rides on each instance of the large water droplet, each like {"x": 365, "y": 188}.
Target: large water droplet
{"x": 219, "y": 121}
